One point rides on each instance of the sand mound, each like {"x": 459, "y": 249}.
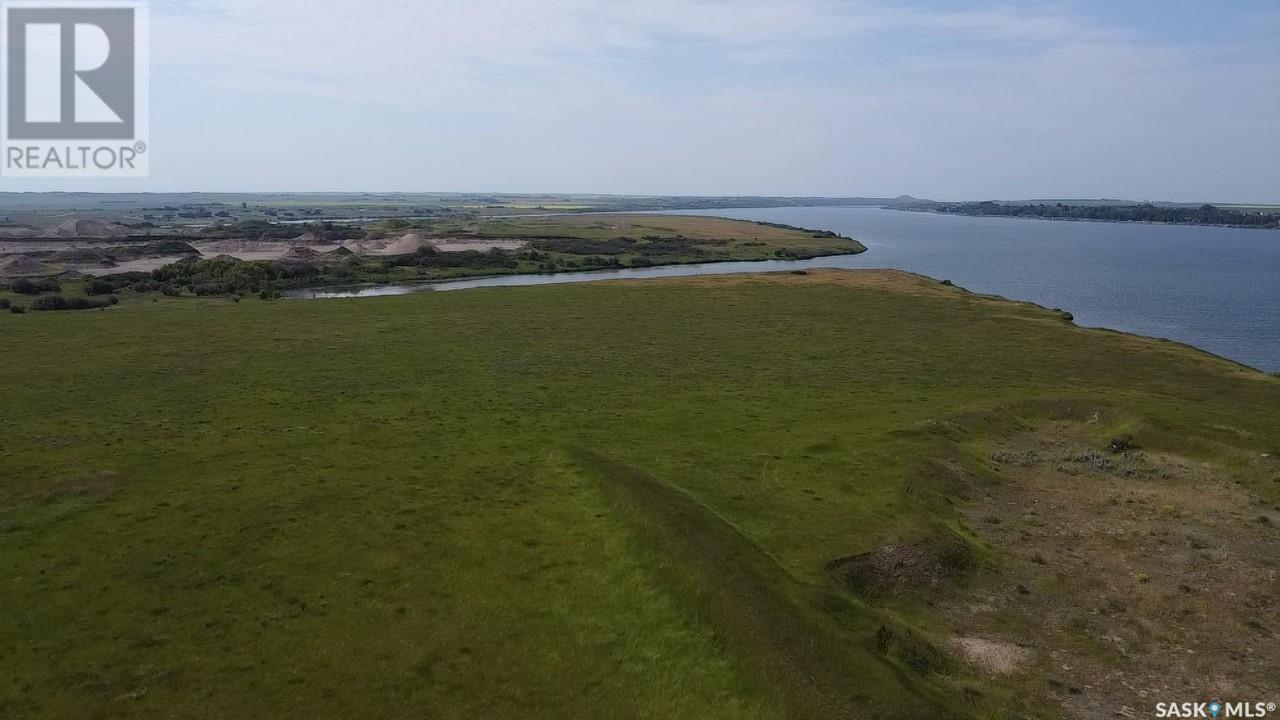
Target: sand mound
{"x": 80, "y": 255}
{"x": 406, "y": 245}
{"x": 300, "y": 253}
{"x": 159, "y": 248}
{"x": 16, "y": 265}
{"x": 88, "y": 228}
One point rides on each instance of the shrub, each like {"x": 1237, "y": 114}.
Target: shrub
{"x": 35, "y": 287}
{"x": 956, "y": 556}
{"x": 580, "y": 246}
{"x": 17, "y": 309}
{"x": 57, "y": 302}
{"x": 601, "y": 261}
{"x": 1120, "y": 445}
{"x": 114, "y": 283}
{"x": 4, "y": 303}
{"x": 99, "y": 287}
{"x": 228, "y": 276}
{"x": 51, "y": 302}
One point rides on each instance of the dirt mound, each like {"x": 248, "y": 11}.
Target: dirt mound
{"x": 88, "y": 228}
{"x": 306, "y": 239}
{"x": 406, "y": 245}
{"x": 18, "y": 231}
{"x": 19, "y": 265}
{"x": 156, "y": 249}
{"x": 300, "y": 253}
{"x": 242, "y": 246}
{"x": 362, "y": 248}
{"x": 341, "y": 252}
{"x": 890, "y": 570}
{"x": 80, "y": 255}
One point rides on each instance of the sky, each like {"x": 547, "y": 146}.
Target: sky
{"x": 1173, "y": 100}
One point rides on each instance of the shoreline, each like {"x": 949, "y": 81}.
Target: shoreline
{"x": 795, "y": 267}
{"x": 425, "y": 285}
{"x": 1082, "y": 220}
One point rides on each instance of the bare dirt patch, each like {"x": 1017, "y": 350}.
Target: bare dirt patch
{"x": 1134, "y": 577}
{"x": 891, "y": 570}
{"x": 993, "y": 656}
{"x": 141, "y": 265}
{"x": 460, "y": 244}
{"x": 411, "y": 243}
{"x": 88, "y": 228}
{"x": 245, "y": 249}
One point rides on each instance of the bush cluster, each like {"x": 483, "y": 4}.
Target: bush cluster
{"x": 429, "y": 257}
{"x": 57, "y": 302}
{"x": 111, "y": 284}
{"x": 228, "y": 276}
{"x": 25, "y": 286}
{"x": 1145, "y": 212}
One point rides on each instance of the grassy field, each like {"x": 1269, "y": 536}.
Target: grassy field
{"x": 630, "y": 499}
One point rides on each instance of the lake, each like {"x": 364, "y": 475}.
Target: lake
{"x": 1215, "y": 288}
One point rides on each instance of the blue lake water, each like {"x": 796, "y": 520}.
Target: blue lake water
{"x": 1215, "y": 288}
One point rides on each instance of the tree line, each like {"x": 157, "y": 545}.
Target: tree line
{"x": 1144, "y": 212}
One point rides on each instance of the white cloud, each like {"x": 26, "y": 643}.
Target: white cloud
{"x": 394, "y": 48}
{"x": 705, "y": 96}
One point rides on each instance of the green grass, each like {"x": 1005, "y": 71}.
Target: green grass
{"x": 608, "y": 500}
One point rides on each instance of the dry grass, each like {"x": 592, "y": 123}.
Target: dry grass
{"x": 1151, "y": 575}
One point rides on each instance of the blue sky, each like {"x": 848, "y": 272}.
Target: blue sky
{"x": 944, "y": 99}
